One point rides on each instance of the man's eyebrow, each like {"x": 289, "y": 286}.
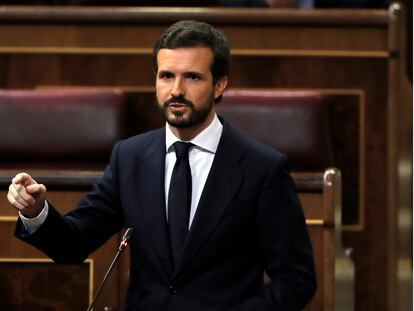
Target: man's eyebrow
{"x": 194, "y": 73}
{"x": 161, "y": 72}
{"x": 187, "y": 73}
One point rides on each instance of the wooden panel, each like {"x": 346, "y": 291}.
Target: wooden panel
{"x": 64, "y": 200}
{"x": 104, "y": 40}
{"x": 312, "y": 205}
{"x": 324, "y": 296}
{"x": 320, "y": 195}
{"x": 38, "y": 285}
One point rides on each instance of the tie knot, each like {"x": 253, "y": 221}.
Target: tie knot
{"x": 181, "y": 148}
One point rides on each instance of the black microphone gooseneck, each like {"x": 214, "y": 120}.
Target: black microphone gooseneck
{"x": 122, "y": 246}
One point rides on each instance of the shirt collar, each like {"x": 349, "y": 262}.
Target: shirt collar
{"x": 208, "y": 139}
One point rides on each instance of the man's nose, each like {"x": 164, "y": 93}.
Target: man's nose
{"x": 178, "y": 88}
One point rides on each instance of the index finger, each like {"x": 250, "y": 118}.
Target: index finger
{"x": 22, "y": 178}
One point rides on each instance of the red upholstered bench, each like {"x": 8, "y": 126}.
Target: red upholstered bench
{"x": 294, "y": 122}
{"x": 59, "y": 128}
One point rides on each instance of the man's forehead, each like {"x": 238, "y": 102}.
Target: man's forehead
{"x": 185, "y": 58}
{"x": 190, "y": 52}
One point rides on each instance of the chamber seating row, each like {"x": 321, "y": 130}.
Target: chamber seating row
{"x": 64, "y": 138}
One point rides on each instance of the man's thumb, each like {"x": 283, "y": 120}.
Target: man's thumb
{"x": 36, "y": 189}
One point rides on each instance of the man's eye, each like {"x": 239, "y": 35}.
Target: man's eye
{"x": 193, "y": 76}
{"x": 166, "y": 75}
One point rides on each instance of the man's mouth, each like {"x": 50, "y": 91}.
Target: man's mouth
{"x": 177, "y": 107}
{"x": 179, "y": 101}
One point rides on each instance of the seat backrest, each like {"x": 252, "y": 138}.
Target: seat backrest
{"x": 294, "y": 122}
{"x": 59, "y": 126}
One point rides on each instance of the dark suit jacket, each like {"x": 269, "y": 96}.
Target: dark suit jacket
{"x": 248, "y": 220}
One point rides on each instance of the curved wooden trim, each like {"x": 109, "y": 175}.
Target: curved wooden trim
{"x": 308, "y": 181}
{"x": 68, "y": 179}
{"x": 158, "y": 15}
{"x": 8, "y": 218}
{"x": 319, "y": 223}
{"x": 235, "y": 52}
{"x": 56, "y": 179}
{"x": 310, "y": 53}
{"x": 25, "y": 260}
{"x": 91, "y": 278}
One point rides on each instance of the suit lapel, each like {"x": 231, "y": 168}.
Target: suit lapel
{"x": 152, "y": 171}
{"x": 222, "y": 184}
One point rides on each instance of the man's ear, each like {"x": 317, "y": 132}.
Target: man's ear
{"x": 220, "y": 86}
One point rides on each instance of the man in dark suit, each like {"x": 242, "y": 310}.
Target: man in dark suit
{"x": 241, "y": 212}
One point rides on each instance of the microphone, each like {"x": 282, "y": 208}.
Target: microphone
{"x": 122, "y": 246}
{"x": 124, "y": 242}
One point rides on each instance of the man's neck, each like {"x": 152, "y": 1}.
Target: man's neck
{"x": 188, "y": 133}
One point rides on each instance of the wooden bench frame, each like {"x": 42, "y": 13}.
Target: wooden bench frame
{"x": 323, "y": 217}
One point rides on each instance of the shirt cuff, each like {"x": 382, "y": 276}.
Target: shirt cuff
{"x": 32, "y": 224}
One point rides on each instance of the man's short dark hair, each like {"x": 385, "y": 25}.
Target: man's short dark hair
{"x": 188, "y": 34}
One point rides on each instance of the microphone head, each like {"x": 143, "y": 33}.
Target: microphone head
{"x": 127, "y": 234}
{"x": 125, "y": 238}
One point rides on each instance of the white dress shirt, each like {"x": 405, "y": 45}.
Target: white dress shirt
{"x": 201, "y": 157}
{"x": 32, "y": 224}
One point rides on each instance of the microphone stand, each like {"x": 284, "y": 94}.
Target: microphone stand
{"x": 122, "y": 246}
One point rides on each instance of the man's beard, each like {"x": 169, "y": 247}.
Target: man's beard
{"x": 196, "y": 116}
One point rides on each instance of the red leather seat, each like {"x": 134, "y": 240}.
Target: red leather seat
{"x": 294, "y": 122}
{"x": 71, "y": 128}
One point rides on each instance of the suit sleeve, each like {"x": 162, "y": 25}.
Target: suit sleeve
{"x": 72, "y": 237}
{"x": 285, "y": 246}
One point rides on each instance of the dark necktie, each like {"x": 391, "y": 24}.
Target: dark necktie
{"x": 179, "y": 199}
